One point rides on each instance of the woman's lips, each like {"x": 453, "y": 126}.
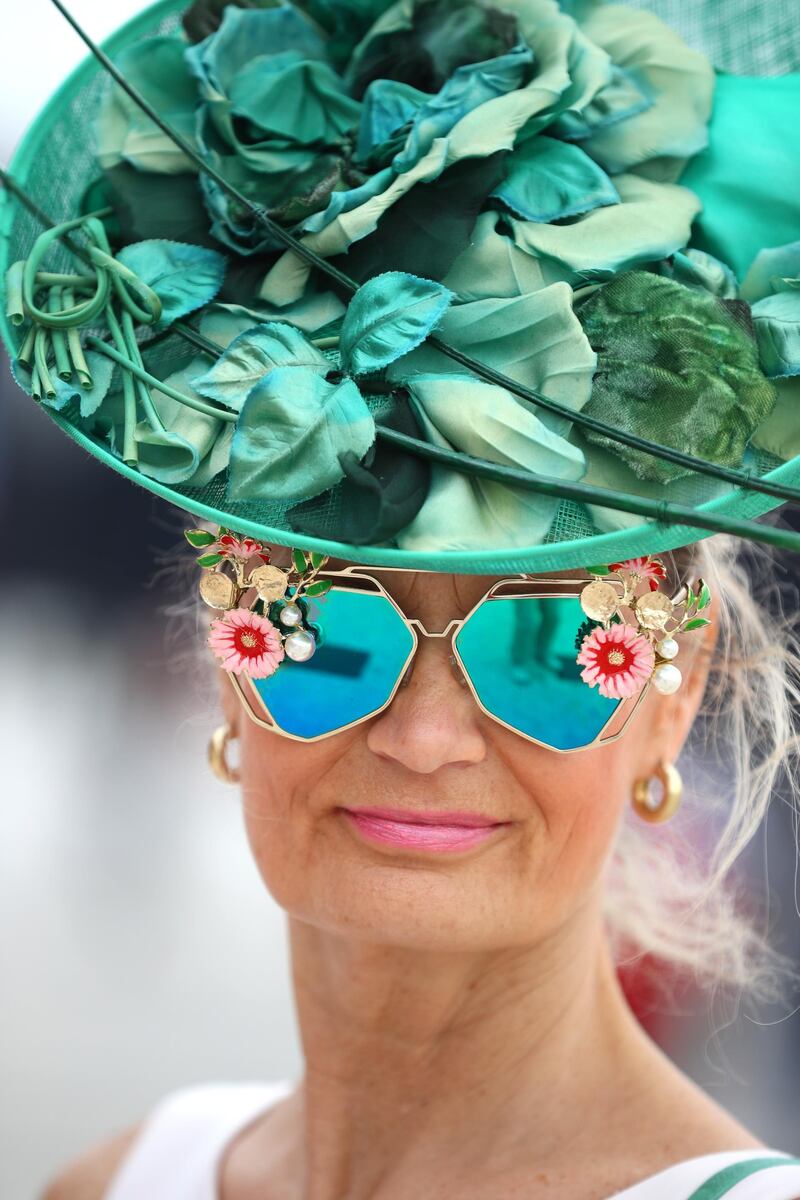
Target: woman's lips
{"x": 439, "y": 832}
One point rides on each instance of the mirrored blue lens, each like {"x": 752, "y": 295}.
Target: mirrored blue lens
{"x": 520, "y": 654}
{"x": 364, "y": 650}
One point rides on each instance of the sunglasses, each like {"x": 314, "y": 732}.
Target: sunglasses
{"x": 515, "y": 649}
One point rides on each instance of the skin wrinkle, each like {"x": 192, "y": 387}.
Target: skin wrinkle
{"x": 462, "y": 1024}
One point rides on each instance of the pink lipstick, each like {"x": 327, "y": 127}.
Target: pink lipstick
{"x": 440, "y": 832}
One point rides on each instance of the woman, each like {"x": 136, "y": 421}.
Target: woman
{"x": 460, "y": 323}
{"x": 462, "y": 1022}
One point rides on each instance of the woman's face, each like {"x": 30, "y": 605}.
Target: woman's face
{"x": 433, "y": 749}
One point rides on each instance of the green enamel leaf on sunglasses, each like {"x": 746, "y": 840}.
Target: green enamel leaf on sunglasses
{"x": 319, "y": 588}
{"x": 251, "y": 355}
{"x": 317, "y": 559}
{"x": 292, "y": 428}
{"x": 705, "y": 597}
{"x": 199, "y": 538}
{"x": 299, "y": 561}
{"x": 696, "y": 623}
{"x": 597, "y": 570}
{"x": 388, "y": 316}
{"x": 209, "y": 560}
{"x": 183, "y": 277}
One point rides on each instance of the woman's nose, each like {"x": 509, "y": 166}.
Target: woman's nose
{"x": 433, "y": 720}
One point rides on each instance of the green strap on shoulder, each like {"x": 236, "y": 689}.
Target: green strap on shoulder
{"x": 726, "y": 1179}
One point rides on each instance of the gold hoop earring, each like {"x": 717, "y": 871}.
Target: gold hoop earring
{"x": 217, "y": 754}
{"x": 672, "y": 789}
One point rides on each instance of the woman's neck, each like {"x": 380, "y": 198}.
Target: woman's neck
{"x": 424, "y": 1068}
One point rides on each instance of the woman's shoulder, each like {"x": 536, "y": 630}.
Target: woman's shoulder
{"x": 88, "y": 1177}
{"x": 198, "y": 1115}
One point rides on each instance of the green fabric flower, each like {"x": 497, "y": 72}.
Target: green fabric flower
{"x": 675, "y": 365}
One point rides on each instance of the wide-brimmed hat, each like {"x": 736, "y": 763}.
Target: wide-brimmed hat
{"x": 439, "y": 284}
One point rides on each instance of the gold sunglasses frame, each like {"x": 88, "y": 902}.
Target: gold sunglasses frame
{"x": 254, "y": 704}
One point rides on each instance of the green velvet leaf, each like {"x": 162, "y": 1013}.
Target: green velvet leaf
{"x": 548, "y": 180}
{"x": 388, "y": 316}
{"x": 464, "y": 512}
{"x": 380, "y": 494}
{"x": 675, "y": 366}
{"x": 535, "y": 339}
{"x": 183, "y": 277}
{"x": 291, "y": 431}
{"x": 155, "y": 66}
{"x": 251, "y": 355}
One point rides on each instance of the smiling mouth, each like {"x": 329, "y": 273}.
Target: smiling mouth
{"x": 437, "y": 832}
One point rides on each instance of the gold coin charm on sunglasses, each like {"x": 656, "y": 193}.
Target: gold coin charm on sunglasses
{"x": 599, "y": 600}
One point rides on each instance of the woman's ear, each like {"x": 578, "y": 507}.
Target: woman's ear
{"x": 676, "y": 713}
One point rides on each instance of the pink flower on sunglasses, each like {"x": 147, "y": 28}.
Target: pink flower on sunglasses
{"x": 645, "y": 568}
{"x": 244, "y": 641}
{"x": 618, "y": 659}
{"x": 243, "y": 548}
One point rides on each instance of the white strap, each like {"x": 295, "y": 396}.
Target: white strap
{"x": 177, "y": 1154}
{"x": 684, "y": 1178}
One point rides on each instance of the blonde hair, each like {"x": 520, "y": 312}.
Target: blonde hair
{"x": 669, "y": 901}
{"x": 669, "y": 897}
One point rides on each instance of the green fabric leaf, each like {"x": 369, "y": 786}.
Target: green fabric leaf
{"x": 652, "y": 221}
{"x": 379, "y": 496}
{"x": 548, "y": 180}
{"x": 675, "y": 366}
{"x": 388, "y": 316}
{"x": 251, "y": 356}
{"x": 777, "y": 322}
{"x": 183, "y": 277}
{"x": 535, "y": 339}
{"x": 291, "y": 431}
{"x": 623, "y": 95}
{"x": 660, "y": 139}
{"x": 157, "y": 68}
{"x": 464, "y": 512}
{"x": 88, "y": 400}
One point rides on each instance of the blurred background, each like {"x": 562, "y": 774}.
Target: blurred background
{"x": 140, "y": 951}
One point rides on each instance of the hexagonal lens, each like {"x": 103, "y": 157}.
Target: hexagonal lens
{"x": 519, "y": 652}
{"x": 363, "y": 653}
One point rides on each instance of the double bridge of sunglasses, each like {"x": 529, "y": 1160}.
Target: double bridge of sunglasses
{"x": 515, "y": 650}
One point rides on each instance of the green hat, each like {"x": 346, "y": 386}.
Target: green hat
{"x": 435, "y": 284}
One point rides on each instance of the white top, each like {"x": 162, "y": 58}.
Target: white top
{"x": 178, "y": 1153}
